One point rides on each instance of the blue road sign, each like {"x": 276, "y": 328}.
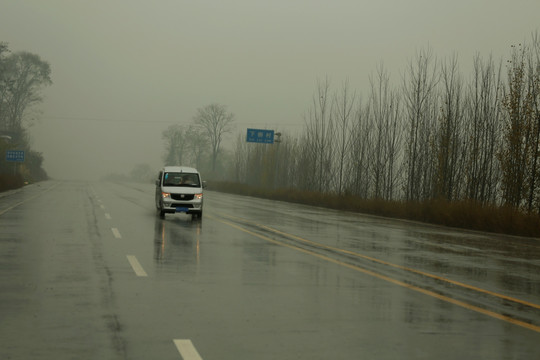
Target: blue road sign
{"x": 15, "y": 155}
{"x": 260, "y": 136}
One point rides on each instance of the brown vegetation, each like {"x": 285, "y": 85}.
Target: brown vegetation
{"x": 10, "y": 182}
{"x": 461, "y": 214}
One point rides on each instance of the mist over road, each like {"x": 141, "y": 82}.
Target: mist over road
{"x": 89, "y": 271}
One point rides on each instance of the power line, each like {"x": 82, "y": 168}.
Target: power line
{"x": 110, "y": 120}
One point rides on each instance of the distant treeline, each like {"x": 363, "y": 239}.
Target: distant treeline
{"x": 437, "y": 136}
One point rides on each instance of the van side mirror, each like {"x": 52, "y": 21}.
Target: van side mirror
{"x": 204, "y": 184}
{"x": 157, "y": 182}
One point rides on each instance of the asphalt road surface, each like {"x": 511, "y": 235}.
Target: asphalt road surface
{"x": 89, "y": 271}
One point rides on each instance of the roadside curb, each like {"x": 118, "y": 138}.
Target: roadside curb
{"x": 14, "y": 191}
{"x": 9, "y": 192}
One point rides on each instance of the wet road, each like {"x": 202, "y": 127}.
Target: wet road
{"x": 88, "y": 271}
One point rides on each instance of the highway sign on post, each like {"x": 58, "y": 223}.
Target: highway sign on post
{"x": 260, "y": 136}
{"x": 15, "y": 155}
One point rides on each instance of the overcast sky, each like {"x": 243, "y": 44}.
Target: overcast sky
{"x": 124, "y": 70}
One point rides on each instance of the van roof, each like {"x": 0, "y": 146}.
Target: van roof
{"x": 185, "y": 169}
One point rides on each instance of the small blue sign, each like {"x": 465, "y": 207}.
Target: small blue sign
{"x": 15, "y": 155}
{"x": 260, "y": 136}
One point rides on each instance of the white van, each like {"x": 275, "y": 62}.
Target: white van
{"x": 179, "y": 189}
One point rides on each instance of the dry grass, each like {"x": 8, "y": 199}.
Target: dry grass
{"x": 463, "y": 214}
{"x": 10, "y": 182}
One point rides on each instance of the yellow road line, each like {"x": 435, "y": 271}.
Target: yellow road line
{"x": 392, "y": 280}
{"x": 419, "y": 272}
{"x": 426, "y": 274}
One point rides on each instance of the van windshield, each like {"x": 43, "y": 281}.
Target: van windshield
{"x": 181, "y": 179}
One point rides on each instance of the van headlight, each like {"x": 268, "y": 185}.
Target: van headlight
{"x": 198, "y": 196}
{"x": 166, "y": 195}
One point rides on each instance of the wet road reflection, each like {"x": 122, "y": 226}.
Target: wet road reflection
{"x": 494, "y": 275}
{"x": 177, "y": 243}
{"x": 500, "y": 263}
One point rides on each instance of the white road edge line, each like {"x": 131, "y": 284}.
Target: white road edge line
{"x": 107, "y": 216}
{"x": 139, "y": 271}
{"x": 187, "y": 350}
{"x": 2, "y": 212}
{"x": 116, "y": 233}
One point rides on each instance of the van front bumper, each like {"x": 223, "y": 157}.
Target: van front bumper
{"x": 174, "y": 207}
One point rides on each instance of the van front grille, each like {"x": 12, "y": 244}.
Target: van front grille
{"x": 182, "y": 197}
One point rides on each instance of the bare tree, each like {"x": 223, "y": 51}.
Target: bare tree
{"x": 4, "y": 85}
{"x": 384, "y": 112}
{"x": 449, "y": 141}
{"x": 196, "y": 145}
{"x": 258, "y": 164}
{"x": 344, "y": 104}
{"x": 287, "y": 169}
{"x": 23, "y": 75}
{"x": 421, "y": 111}
{"x": 534, "y": 89}
{"x": 240, "y": 161}
{"x": 306, "y": 162}
{"x": 393, "y": 147}
{"x": 175, "y": 144}
{"x": 319, "y": 138}
{"x": 217, "y": 122}
{"x": 359, "y": 165}
{"x": 519, "y": 130}
{"x": 483, "y": 129}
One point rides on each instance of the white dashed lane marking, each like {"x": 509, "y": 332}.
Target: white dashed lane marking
{"x": 116, "y": 233}
{"x": 139, "y": 271}
{"x": 187, "y": 350}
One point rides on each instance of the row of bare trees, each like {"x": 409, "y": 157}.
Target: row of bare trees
{"x": 437, "y": 134}
{"x": 188, "y": 144}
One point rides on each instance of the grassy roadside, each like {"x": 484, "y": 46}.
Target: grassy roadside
{"x": 464, "y": 214}
{"x": 10, "y": 182}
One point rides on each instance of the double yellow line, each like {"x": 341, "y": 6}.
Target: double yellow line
{"x": 387, "y": 278}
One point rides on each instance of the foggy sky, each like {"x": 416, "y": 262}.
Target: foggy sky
{"x": 123, "y": 71}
